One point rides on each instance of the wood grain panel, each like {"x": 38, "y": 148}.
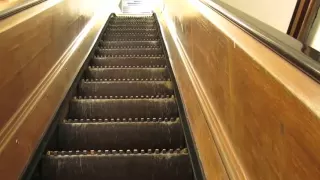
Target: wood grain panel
{"x": 41, "y": 51}
{"x": 262, "y": 112}
{"x": 206, "y": 147}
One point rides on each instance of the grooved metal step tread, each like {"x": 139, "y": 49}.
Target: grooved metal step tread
{"x": 121, "y": 135}
{"x": 137, "y": 22}
{"x": 129, "y": 47}
{"x": 119, "y": 120}
{"x": 127, "y": 73}
{"x": 133, "y": 25}
{"x": 122, "y": 108}
{"x": 124, "y": 97}
{"x": 130, "y": 43}
{"x": 128, "y": 61}
{"x": 130, "y": 39}
{"x": 129, "y": 33}
{"x": 144, "y": 36}
{"x": 125, "y": 66}
{"x": 117, "y": 165}
{"x": 133, "y": 21}
{"x": 133, "y": 17}
{"x": 130, "y": 51}
{"x": 125, "y": 88}
{"x": 130, "y": 55}
{"x": 132, "y": 30}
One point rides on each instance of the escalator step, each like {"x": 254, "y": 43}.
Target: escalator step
{"x": 127, "y": 73}
{"x": 133, "y": 17}
{"x": 122, "y": 108}
{"x": 130, "y": 51}
{"x": 132, "y": 30}
{"x": 128, "y": 61}
{"x": 133, "y": 25}
{"x": 131, "y": 39}
{"x": 137, "y": 20}
{"x": 129, "y": 43}
{"x": 77, "y": 135}
{"x": 129, "y": 47}
{"x": 130, "y": 35}
{"x": 134, "y": 37}
{"x": 125, "y": 88}
{"x": 117, "y": 165}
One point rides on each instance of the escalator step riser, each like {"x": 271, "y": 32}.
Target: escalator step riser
{"x": 131, "y": 37}
{"x": 128, "y": 61}
{"x": 128, "y": 47}
{"x": 121, "y": 135}
{"x": 132, "y": 51}
{"x": 117, "y": 167}
{"x": 125, "y": 88}
{"x": 122, "y": 108}
{"x": 133, "y": 17}
{"x": 130, "y": 21}
{"x": 132, "y": 30}
{"x": 130, "y": 34}
{"x": 153, "y": 26}
{"x": 112, "y": 22}
{"x": 127, "y": 73}
{"x": 129, "y": 43}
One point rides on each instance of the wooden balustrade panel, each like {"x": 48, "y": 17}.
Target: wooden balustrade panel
{"x": 41, "y": 51}
{"x": 262, "y": 112}
{"x": 208, "y": 154}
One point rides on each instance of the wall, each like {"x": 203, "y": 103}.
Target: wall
{"x": 275, "y": 13}
{"x": 262, "y": 112}
{"x": 41, "y": 51}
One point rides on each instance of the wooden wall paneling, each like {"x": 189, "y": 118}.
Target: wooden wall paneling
{"x": 261, "y": 111}
{"x": 206, "y": 147}
{"x": 36, "y": 71}
{"x": 19, "y": 47}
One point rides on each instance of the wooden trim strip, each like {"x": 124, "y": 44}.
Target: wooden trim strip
{"x": 34, "y": 116}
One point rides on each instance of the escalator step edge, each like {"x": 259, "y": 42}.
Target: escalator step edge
{"x": 121, "y": 165}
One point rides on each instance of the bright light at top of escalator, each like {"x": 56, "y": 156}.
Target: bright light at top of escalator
{"x": 139, "y": 6}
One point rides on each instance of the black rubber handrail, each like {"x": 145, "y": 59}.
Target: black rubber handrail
{"x": 18, "y": 8}
{"x": 300, "y": 55}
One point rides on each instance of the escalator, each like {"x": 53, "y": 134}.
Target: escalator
{"x": 123, "y": 120}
